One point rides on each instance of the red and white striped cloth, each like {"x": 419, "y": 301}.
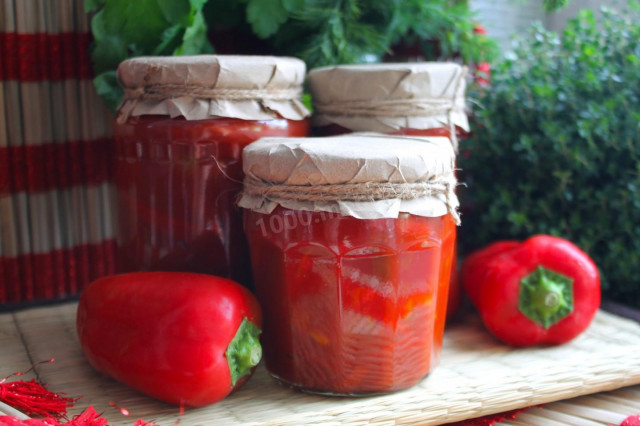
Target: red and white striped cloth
{"x": 56, "y": 231}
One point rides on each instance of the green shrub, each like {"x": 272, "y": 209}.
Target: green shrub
{"x": 555, "y": 146}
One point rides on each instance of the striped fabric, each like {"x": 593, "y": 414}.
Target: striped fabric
{"x": 56, "y": 231}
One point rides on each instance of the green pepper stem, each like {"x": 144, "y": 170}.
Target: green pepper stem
{"x": 244, "y": 352}
{"x": 546, "y": 297}
{"x": 255, "y": 356}
{"x": 552, "y": 300}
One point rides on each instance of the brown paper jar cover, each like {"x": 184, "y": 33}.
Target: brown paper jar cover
{"x": 386, "y": 98}
{"x": 364, "y": 175}
{"x": 210, "y": 86}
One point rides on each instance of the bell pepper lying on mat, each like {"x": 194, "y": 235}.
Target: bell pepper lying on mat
{"x": 544, "y": 290}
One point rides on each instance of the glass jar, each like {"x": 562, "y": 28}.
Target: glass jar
{"x": 412, "y": 99}
{"x": 179, "y": 149}
{"x": 350, "y": 289}
{"x": 416, "y": 98}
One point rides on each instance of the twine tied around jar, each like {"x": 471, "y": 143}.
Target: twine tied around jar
{"x": 146, "y": 90}
{"x": 168, "y": 91}
{"x": 365, "y": 191}
{"x": 388, "y": 107}
{"x": 419, "y": 106}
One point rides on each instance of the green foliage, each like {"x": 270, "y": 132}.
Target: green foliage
{"x": 551, "y": 5}
{"x": 266, "y": 16}
{"x": 123, "y": 29}
{"x": 328, "y": 32}
{"x": 450, "y": 22}
{"x": 321, "y": 32}
{"x": 556, "y": 146}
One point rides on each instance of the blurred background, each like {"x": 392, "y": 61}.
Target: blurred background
{"x": 553, "y": 100}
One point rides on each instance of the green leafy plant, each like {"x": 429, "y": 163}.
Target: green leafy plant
{"x": 551, "y": 5}
{"x": 321, "y": 32}
{"x": 124, "y": 28}
{"x": 452, "y": 23}
{"x": 327, "y": 32}
{"x": 555, "y": 147}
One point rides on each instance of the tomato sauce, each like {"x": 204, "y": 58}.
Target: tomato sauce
{"x": 447, "y": 305}
{"x": 177, "y": 181}
{"x": 350, "y": 305}
{"x": 413, "y": 99}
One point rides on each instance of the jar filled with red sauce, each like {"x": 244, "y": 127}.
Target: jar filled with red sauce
{"x": 179, "y": 136}
{"x": 347, "y": 237}
{"x": 414, "y": 99}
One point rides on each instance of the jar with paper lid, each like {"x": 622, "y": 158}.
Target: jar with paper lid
{"x": 414, "y": 98}
{"x": 346, "y": 236}
{"x": 179, "y": 136}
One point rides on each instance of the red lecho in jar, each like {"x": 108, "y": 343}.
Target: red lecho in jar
{"x": 179, "y": 161}
{"x": 350, "y": 289}
{"x": 413, "y": 99}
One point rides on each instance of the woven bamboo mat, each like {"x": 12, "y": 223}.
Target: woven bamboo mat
{"x": 594, "y": 410}
{"x": 477, "y": 376}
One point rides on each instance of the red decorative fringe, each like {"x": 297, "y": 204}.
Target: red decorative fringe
{"x": 89, "y": 417}
{"x": 631, "y": 421}
{"x": 490, "y": 419}
{"x": 33, "y": 399}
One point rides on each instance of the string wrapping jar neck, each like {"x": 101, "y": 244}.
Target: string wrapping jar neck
{"x": 211, "y": 86}
{"x": 366, "y": 176}
{"x": 389, "y": 98}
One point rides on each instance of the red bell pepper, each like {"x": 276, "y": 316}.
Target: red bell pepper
{"x": 474, "y": 266}
{"x": 184, "y": 338}
{"x": 544, "y": 290}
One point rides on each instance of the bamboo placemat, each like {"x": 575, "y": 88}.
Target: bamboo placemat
{"x": 477, "y": 376}
{"x": 606, "y": 408}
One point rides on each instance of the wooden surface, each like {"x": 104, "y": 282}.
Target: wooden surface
{"x": 476, "y": 376}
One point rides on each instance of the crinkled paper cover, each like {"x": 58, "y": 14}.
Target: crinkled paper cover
{"x": 392, "y": 96}
{"x": 354, "y": 158}
{"x": 209, "y": 86}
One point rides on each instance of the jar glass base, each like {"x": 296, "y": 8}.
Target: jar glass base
{"x": 365, "y": 394}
